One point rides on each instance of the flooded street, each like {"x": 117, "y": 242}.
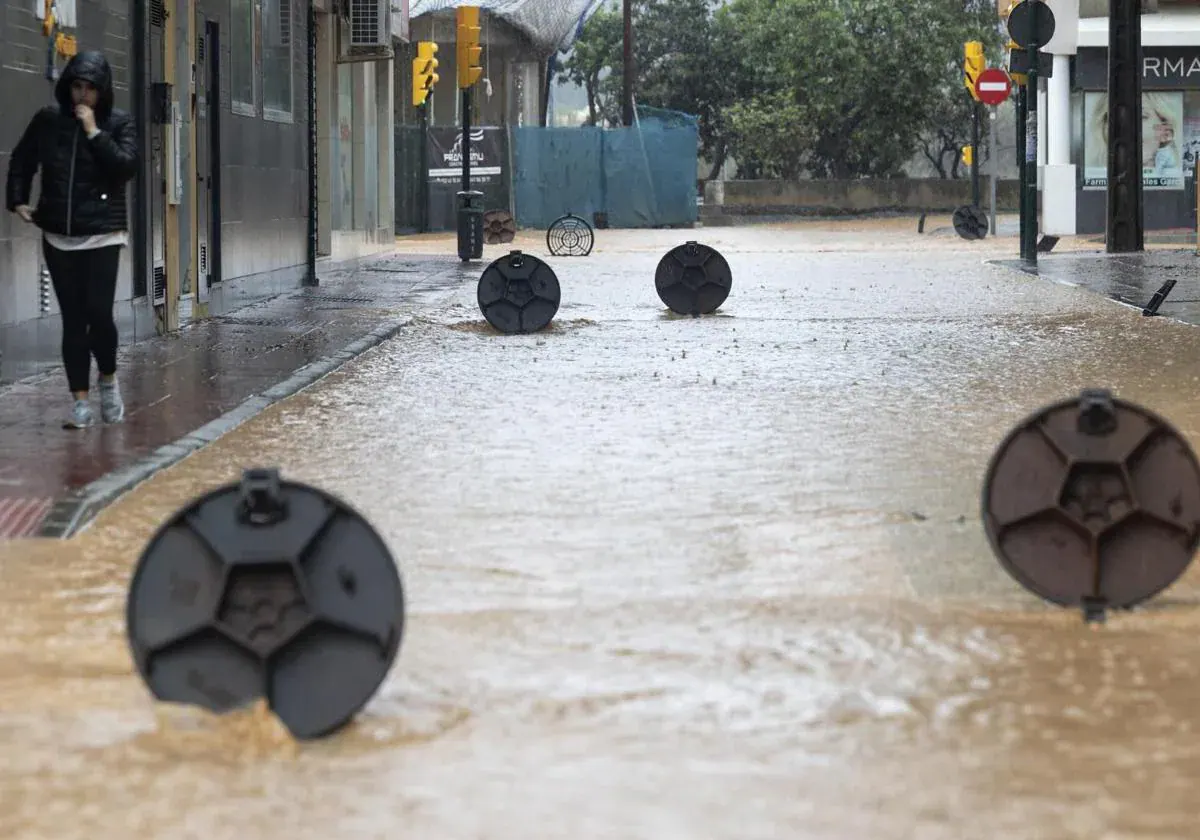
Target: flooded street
{"x": 708, "y": 579}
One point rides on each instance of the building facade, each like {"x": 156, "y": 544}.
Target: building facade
{"x": 1072, "y": 150}
{"x": 265, "y": 128}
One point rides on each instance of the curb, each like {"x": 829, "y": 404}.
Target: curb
{"x": 70, "y": 514}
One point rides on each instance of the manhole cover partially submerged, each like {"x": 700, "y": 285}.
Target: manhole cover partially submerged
{"x": 693, "y": 279}
{"x": 1093, "y": 502}
{"x": 271, "y": 589}
{"x": 518, "y": 293}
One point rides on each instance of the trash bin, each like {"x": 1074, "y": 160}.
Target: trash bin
{"x": 470, "y": 224}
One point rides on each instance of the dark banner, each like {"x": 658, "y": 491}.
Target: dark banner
{"x": 489, "y": 171}
{"x": 1163, "y": 68}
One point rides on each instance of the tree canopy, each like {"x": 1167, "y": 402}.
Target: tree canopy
{"x": 825, "y": 88}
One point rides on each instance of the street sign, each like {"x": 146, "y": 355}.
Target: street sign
{"x": 1093, "y": 502}
{"x": 518, "y": 293}
{"x": 993, "y": 86}
{"x": 693, "y": 279}
{"x": 267, "y": 588}
{"x": 1031, "y": 12}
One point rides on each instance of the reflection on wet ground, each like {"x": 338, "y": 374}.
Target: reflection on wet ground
{"x": 669, "y": 578}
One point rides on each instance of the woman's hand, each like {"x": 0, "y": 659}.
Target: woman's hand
{"x": 86, "y": 117}
{"x": 25, "y": 212}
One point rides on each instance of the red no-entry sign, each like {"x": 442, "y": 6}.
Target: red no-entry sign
{"x": 993, "y": 86}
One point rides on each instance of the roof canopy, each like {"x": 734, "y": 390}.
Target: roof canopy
{"x": 550, "y": 24}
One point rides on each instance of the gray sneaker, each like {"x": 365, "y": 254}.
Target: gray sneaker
{"x": 80, "y": 417}
{"x": 112, "y": 409}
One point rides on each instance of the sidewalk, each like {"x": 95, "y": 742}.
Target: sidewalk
{"x": 185, "y": 389}
{"x": 1131, "y": 279}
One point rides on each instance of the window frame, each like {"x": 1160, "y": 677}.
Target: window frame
{"x": 270, "y": 112}
{"x": 240, "y": 106}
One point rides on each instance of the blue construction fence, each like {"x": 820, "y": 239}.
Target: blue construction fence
{"x": 643, "y": 176}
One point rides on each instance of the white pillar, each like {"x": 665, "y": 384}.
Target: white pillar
{"x": 1059, "y": 104}
{"x": 1058, "y": 184}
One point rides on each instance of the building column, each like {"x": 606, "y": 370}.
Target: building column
{"x": 1059, "y": 181}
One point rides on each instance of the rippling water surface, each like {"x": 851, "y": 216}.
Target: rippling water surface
{"x": 668, "y": 578}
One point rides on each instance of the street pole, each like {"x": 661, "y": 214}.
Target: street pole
{"x": 1020, "y": 121}
{"x": 993, "y": 159}
{"x": 423, "y": 211}
{"x": 1030, "y": 198}
{"x": 1125, "y": 225}
{"x": 627, "y": 65}
{"x": 975, "y": 154}
{"x": 466, "y": 139}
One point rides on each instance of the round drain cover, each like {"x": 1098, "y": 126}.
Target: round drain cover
{"x": 272, "y": 589}
{"x": 518, "y": 293}
{"x": 1093, "y": 501}
{"x": 693, "y": 279}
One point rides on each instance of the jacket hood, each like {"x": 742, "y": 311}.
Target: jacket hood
{"x": 91, "y": 67}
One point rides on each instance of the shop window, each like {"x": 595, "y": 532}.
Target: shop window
{"x": 243, "y": 56}
{"x": 1163, "y": 140}
{"x": 277, "y": 60}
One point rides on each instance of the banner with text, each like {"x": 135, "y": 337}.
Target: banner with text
{"x": 489, "y": 167}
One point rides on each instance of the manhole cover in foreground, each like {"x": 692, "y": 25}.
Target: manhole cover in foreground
{"x": 1093, "y": 502}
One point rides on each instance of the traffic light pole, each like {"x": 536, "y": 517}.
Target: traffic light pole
{"x": 975, "y": 153}
{"x": 1030, "y": 196}
{"x": 466, "y": 139}
{"x": 423, "y": 212}
{"x": 1020, "y": 121}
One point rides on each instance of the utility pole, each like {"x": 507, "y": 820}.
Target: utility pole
{"x": 467, "y": 58}
{"x": 1124, "y": 231}
{"x": 1029, "y": 200}
{"x": 627, "y": 64}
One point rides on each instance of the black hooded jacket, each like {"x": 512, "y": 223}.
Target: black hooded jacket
{"x": 83, "y": 181}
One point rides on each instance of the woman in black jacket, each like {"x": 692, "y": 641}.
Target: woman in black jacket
{"x": 87, "y": 151}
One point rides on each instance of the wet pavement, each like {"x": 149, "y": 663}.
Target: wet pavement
{"x": 667, "y": 577}
{"x": 1131, "y": 279}
{"x": 176, "y": 384}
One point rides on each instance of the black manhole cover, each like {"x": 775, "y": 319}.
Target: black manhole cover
{"x": 272, "y": 589}
{"x": 518, "y": 293}
{"x": 1093, "y": 502}
{"x": 970, "y": 222}
{"x": 693, "y": 279}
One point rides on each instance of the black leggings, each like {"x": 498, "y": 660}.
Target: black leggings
{"x": 85, "y": 283}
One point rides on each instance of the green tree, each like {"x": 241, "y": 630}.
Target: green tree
{"x": 679, "y": 65}
{"x": 949, "y": 125}
{"x": 593, "y": 54}
{"x": 864, "y": 77}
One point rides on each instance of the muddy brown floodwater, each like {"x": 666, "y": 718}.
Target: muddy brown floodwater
{"x": 668, "y": 578}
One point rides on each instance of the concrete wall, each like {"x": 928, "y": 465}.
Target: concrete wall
{"x": 835, "y": 198}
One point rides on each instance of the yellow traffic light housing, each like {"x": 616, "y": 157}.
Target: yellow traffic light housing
{"x": 974, "y": 63}
{"x": 468, "y": 50}
{"x": 968, "y": 155}
{"x": 424, "y": 72}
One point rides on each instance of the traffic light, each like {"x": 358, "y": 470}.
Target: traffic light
{"x": 469, "y": 51}
{"x": 424, "y": 72}
{"x": 968, "y": 155}
{"x": 973, "y": 64}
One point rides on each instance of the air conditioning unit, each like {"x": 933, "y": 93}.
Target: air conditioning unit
{"x": 364, "y": 31}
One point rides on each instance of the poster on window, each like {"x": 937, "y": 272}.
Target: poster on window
{"x": 1162, "y": 140}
